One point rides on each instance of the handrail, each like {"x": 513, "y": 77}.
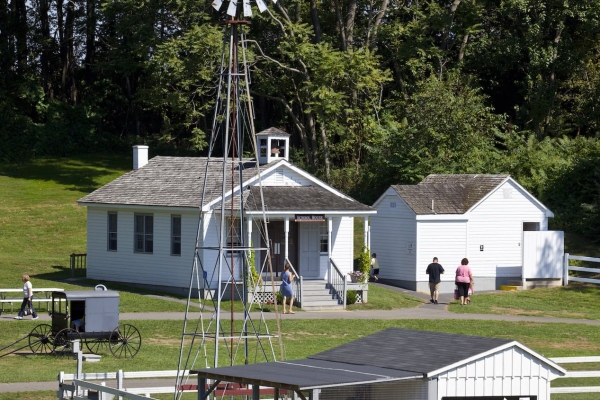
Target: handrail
{"x": 338, "y": 282}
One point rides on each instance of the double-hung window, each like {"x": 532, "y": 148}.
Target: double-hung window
{"x": 324, "y": 237}
{"x": 112, "y": 232}
{"x": 175, "y": 235}
{"x": 144, "y": 238}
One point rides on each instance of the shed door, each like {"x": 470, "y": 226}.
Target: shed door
{"x": 309, "y": 249}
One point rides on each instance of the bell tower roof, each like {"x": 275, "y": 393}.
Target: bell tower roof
{"x": 273, "y": 145}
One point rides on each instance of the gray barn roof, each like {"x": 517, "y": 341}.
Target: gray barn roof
{"x": 451, "y": 194}
{"x": 392, "y": 354}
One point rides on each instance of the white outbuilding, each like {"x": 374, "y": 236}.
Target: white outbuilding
{"x": 403, "y": 364}
{"x": 491, "y": 220}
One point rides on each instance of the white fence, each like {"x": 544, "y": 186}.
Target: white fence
{"x": 577, "y": 374}
{"x": 567, "y": 268}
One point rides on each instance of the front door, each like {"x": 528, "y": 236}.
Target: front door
{"x": 309, "y": 249}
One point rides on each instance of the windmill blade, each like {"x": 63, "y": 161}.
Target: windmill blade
{"x": 217, "y": 4}
{"x": 247, "y": 8}
{"x": 261, "y": 5}
{"x": 232, "y": 9}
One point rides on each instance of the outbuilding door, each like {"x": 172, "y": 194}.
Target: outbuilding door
{"x": 543, "y": 253}
{"x": 309, "y": 249}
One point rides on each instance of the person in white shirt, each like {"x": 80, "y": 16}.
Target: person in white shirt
{"x": 27, "y": 299}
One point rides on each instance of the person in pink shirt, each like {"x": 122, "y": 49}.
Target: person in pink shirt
{"x": 463, "y": 279}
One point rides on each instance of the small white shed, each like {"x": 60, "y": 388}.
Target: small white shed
{"x": 495, "y": 223}
{"x": 405, "y": 364}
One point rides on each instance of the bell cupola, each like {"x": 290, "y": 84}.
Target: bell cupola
{"x": 273, "y": 145}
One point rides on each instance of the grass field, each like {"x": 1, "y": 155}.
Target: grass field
{"x": 42, "y": 225}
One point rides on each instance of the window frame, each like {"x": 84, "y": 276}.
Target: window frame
{"x": 112, "y": 231}
{"x": 146, "y": 234}
{"x": 323, "y": 237}
{"x": 175, "y": 236}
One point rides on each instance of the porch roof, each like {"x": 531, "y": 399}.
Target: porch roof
{"x": 301, "y": 199}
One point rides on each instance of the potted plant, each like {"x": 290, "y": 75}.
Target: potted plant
{"x": 357, "y": 276}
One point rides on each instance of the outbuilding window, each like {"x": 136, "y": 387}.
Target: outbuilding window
{"x": 175, "y": 235}
{"x": 112, "y": 232}
{"x": 144, "y": 238}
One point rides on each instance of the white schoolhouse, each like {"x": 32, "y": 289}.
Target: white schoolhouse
{"x": 490, "y": 219}
{"x": 142, "y": 227}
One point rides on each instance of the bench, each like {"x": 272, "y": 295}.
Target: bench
{"x": 19, "y": 301}
{"x": 39, "y": 294}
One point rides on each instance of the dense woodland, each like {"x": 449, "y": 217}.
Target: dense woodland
{"x": 374, "y": 92}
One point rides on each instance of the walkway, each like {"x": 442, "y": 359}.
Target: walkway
{"x": 424, "y": 311}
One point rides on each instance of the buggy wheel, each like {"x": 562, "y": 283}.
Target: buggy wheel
{"x": 97, "y": 346}
{"x": 41, "y": 339}
{"x": 63, "y": 342}
{"x": 125, "y": 341}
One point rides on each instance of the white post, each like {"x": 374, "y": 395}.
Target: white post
{"x": 120, "y": 381}
{"x": 79, "y": 353}
{"x": 366, "y": 232}
{"x": 286, "y": 230}
{"x": 566, "y": 269}
{"x": 329, "y": 227}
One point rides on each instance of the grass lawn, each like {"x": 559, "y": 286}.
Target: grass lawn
{"x": 161, "y": 342}
{"x": 578, "y": 300}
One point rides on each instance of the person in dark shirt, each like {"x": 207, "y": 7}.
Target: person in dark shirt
{"x": 434, "y": 270}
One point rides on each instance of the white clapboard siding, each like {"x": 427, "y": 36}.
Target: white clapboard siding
{"x": 508, "y": 372}
{"x": 446, "y": 240}
{"x": 497, "y": 225}
{"x": 125, "y": 265}
{"x": 342, "y": 246}
{"x": 285, "y": 177}
{"x": 393, "y": 238}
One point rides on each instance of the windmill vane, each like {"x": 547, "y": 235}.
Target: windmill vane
{"x": 232, "y": 8}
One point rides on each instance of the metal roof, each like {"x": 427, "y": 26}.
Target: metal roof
{"x": 86, "y": 294}
{"x": 304, "y": 374}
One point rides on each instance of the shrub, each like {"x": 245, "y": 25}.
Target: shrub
{"x": 351, "y": 297}
{"x": 279, "y": 297}
{"x": 364, "y": 262}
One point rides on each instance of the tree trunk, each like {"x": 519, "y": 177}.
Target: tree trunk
{"x": 62, "y": 46}
{"x": 463, "y": 46}
{"x": 314, "y": 16}
{"x": 325, "y": 153}
{"x": 350, "y": 22}
{"x": 90, "y": 40}
{"x": 340, "y": 25}
{"x": 69, "y": 83}
{"x": 46, "y": 51}
{"x": 20, "y": 19}
{"x": 372, "y": 34}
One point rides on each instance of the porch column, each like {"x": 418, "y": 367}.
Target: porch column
{"x": 249, "y": 229}
{"x": 329, "y": 227}
{"x": 286, "y": 230}
{"x": 367, "y": 232}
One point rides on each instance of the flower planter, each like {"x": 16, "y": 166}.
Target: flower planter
{"x": 353, "y": 279}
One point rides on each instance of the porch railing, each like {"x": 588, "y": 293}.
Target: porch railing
{"x": 337, "y": 282}
{"x": 78, "y": 265}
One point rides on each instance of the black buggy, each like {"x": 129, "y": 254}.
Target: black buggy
{"x": 92, "y": 317}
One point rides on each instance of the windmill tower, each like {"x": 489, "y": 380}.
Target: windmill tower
{"x": 224, "y": 257}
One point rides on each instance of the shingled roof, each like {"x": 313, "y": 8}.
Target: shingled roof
{"x": 300, "y": 198}
{"x": 448, "y": 194}
{"x": 170, "y": 181}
